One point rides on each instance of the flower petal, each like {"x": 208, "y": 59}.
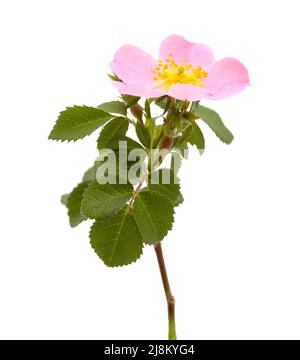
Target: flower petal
{"x": 187, "y": 52}
{"x": 187, "y": 92}
{"x": 133, "y": 65}
{"x": 137, "y": 89}
{"x": 225, "y": 78}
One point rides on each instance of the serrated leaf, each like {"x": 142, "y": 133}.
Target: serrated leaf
{"x": 143, "y": 134}
{"x": 116, "y": 240}
{"x": 76, "y": 122}
{"x": 73, "y": 204}
{"x": 114, "y": 129}
{"x": 214, "y": 121}
{"x": 102, "y": 200}
{"x": 115, "y": 107}
{"x": 64, "y": 199}
{"x": 118, "y": 171}
{"x": 196, "y": 137}
{"x": 166, "y": 183}
{"x": 74, "y": 207}
{"x": 120, "y": 142}
{"x": 154, "y": 216}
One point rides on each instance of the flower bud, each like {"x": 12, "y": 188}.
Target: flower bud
{"x": 137, "y": 111}
{"x": 166, "y": 143}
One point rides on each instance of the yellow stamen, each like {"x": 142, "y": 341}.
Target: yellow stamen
{"x": 169, "y": 73}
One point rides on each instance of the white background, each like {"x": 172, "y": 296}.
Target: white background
{"x": 233, "y": 255}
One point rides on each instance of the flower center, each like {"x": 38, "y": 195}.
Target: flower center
{"x": 169, "y": 73}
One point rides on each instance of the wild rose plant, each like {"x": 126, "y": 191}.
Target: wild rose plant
{"x": 132, "y": 188}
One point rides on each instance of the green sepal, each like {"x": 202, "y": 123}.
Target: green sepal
{"x": 147, "y": 109}
{"x": 143, "y": 134}
{"x": 114, "y": 77}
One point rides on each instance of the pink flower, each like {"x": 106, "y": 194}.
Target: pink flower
{"x": 185, "y": 71}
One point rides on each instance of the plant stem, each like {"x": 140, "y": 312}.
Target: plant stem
{"x": 168, "y": 293}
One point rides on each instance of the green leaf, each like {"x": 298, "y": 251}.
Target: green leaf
{"x": 118, "y": 144}
{"x": 90, "y": 174}
{"x": 77, "y": 122}
{"x": 213, "y": 120}
{"x": 73, "y": 204}
{"x": 115, "y": 107}
{"x": 130, "y": 143}
{"x": 143, "y": 134}
{"x": 114, "y": 129}
{"x": 64, "y": 199}
{"x": 166, "y": 183}
{"x": 118, "y": 171}
{"x": 102, "y": 200}
{"x": 116, "y": 240}
{"x": 154, "y": 216}
{"x": 196, "y": 137}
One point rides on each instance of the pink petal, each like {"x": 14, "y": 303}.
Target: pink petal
{"x": 187, "y": 92}
{"x": 133, "y": 65}
{"x": 225, "y": 78}
{"x": 138, "y": 89}
{"x": 184, "y": 51}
